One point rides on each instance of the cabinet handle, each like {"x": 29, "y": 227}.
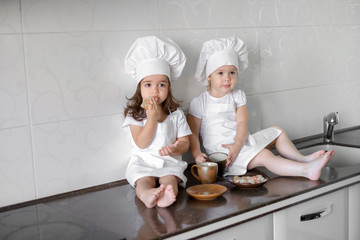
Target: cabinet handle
{"x": 316, "y": 215}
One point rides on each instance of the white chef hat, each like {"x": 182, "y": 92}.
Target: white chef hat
{"x": 219, "y": 52}
{"x": 151, "y": 56}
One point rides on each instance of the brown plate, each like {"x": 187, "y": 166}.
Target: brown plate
{"x": 206, "y": 191}
{"x": 248, "y": 185}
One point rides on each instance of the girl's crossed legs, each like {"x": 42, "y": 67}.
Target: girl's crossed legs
{"x": 291, "y": 162}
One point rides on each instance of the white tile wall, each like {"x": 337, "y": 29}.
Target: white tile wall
{"x": 298, "y": 57}
{"x": 75, "y": 76}
{"x": 79, "y": 153}
{"x": 10, "y": 20}
{"x": 88, "y": 15}
{"x": 296, "y": 13}
{"x": 208, "y": 14}
{"x": 13, "y": 91}
{"x": 63, "y": 87}
{"x": 300, "y": 111}
{"x": 17, "y": 178}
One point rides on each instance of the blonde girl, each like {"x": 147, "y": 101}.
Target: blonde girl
{"x": 220, "y": 117}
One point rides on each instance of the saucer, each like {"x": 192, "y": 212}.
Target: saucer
{"x": 206, "y": 191}
{"x": 248, "y": 184}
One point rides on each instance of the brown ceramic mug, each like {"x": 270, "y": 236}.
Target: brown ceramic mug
{"x": 220, "y": 159}
{"x": 206, "y": 172}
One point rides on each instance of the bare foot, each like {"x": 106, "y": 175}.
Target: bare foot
{"x": 316, "y": 165}
{"x": 313, "y": 156}
{"x": 167, "y": 198}
{"x": 150, "y": 197}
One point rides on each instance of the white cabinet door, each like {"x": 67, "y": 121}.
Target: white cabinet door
{"x": 325, "y": 217}
{"x": 354, "y": 212}
{"x": 259, "y": 229}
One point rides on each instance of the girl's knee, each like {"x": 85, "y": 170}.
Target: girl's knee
{"x": 279, "y": 128}
{"x": 265, "y": 153}
{"x": 259, "y": 159}
{"x": 283, "y": 132}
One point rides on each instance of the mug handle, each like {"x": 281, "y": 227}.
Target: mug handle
{"x": 193, "y": 171}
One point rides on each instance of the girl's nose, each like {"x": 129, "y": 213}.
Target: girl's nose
{"x": 155, "y": 89}
{"x": 226, "y": 77}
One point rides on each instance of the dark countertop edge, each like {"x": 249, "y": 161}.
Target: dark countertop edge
{"x": 275, "y": 201}
{"x": 299, "y": 143}
{"x": 65, "y": 195}
{"x": 272, "y": 202}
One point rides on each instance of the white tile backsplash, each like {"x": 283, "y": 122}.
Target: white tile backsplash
{"x": 63, "y": 85}
{"x": 13, "y": 91}
{"x": 75, "y": 76}
{"x": 302, "y": 110}
{"x": 88, "y": 15}
{"x": 300, "y": 57}
{"x": 346, "y": 12}
{"x": 81, "y": 153}
{"x": 208, "y": 14}
{"x": 17, "y": 179}
{"x": 10, "y": 21}
{"x": 295, "y": 13}
{"x": 254, "y": 111}
{"x": 296, "y": 57}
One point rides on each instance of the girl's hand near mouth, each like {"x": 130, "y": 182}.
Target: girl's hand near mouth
{"x": 146, "y": 102}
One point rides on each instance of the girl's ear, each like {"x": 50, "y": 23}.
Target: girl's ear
{"x": 209, "y": 80}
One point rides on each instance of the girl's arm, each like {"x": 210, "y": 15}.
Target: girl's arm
{"x": 241, "y": 134}
{"x": 179, "y": 147}
{"x": 194, "y": 124}
{"x": 143, "y": 135}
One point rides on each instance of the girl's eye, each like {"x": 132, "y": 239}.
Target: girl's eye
{"x": 232, "y": 73}
{"x": 220, "y": 73}
{"x": 147, "y": 85}
{"x": 162, "y": 85}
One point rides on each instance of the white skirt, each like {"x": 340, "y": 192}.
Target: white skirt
{"x": 147, "y": 165}
{"x": 253, "y": 145}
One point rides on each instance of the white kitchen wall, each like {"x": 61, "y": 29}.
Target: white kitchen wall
{"x": 63, "y": 87}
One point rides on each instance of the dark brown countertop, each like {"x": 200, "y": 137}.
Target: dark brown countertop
{"x": 116, "y": 213}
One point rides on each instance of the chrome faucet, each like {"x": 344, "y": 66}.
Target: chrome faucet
{"x": 329, "y": 121}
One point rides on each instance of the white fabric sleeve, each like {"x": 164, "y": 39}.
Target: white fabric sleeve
{"x": 131, "y": 121}
{"x": 183, "y": 128}
{"x": 197, "y": 107}
{"x": 239, "y": 98}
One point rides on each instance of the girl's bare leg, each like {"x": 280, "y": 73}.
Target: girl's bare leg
{"x": 287, "y": 149}
{"x": 147, "y": 192}
{"x": 171, "y": 190}
{"x": 285, "y": 167}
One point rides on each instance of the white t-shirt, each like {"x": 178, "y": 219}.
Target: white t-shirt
{"x": 221, "y": 129}
{"x": 198, "y": 105}
{"x": 147, "y": 162}
{"x": 175, "y": 123}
